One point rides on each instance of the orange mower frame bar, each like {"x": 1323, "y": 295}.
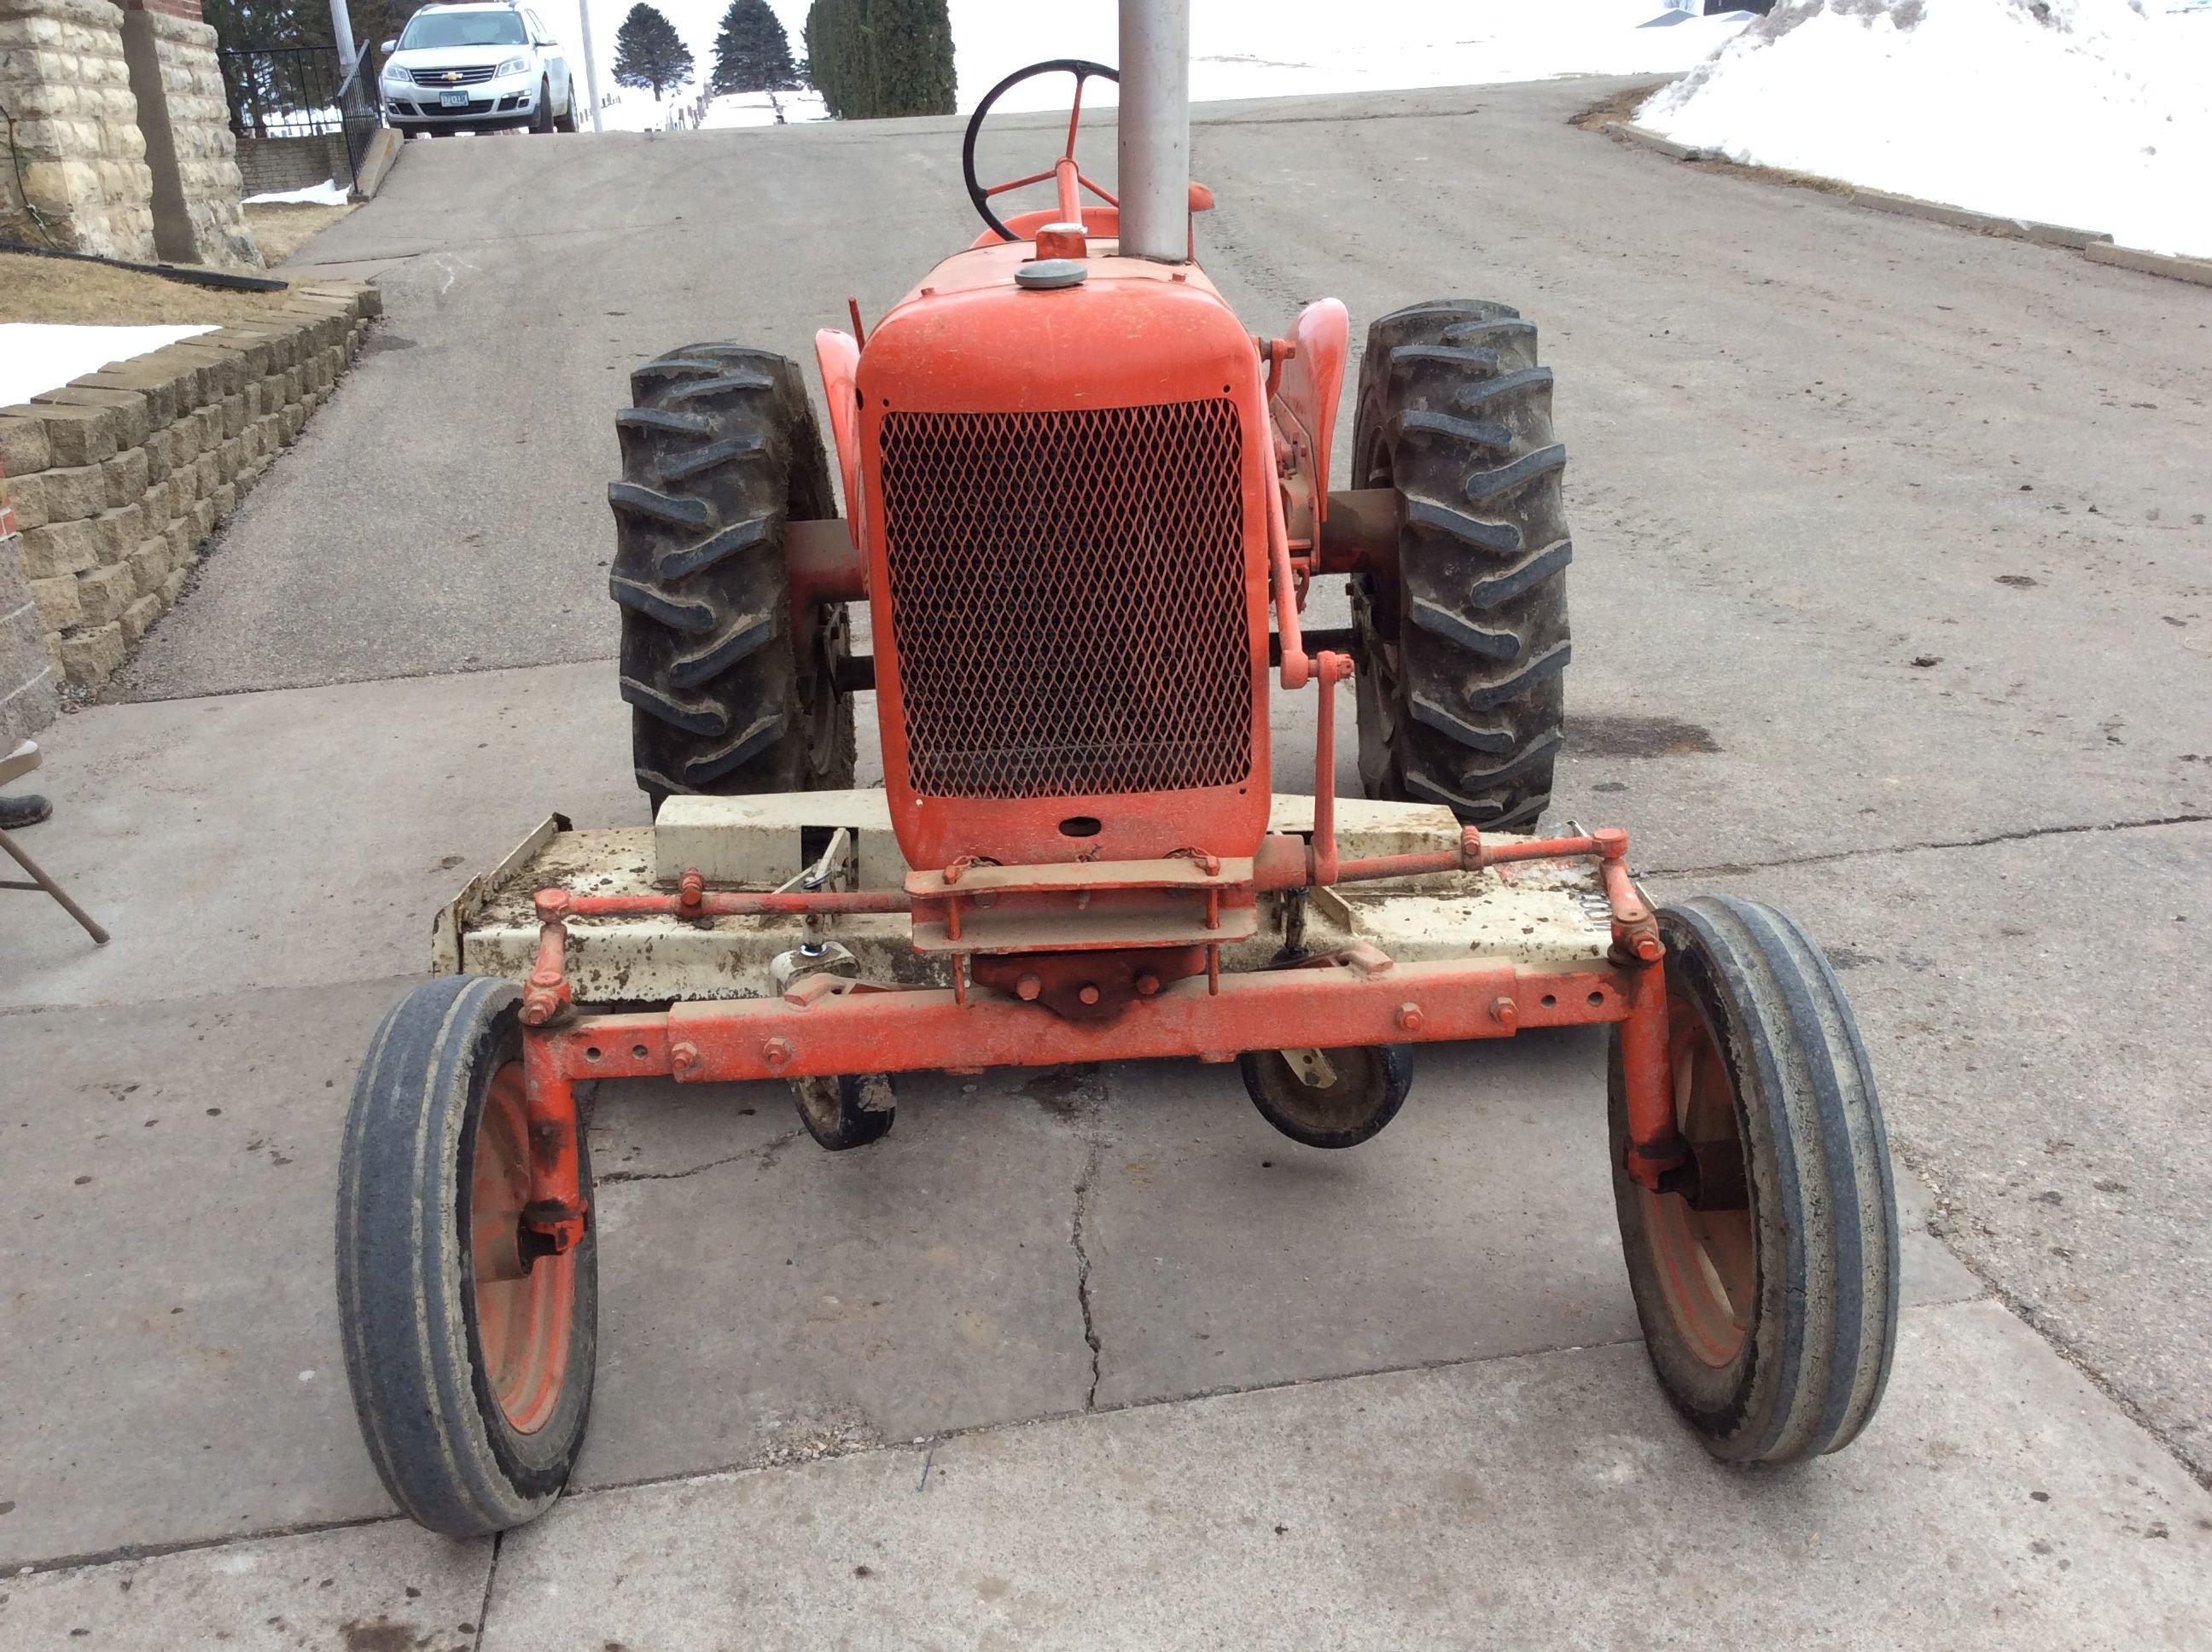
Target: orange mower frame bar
{"x": 826, "y": 1026}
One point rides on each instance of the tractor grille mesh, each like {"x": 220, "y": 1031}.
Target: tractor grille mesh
{"x": 1067, "y": 599}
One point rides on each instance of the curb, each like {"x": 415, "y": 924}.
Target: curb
{"x": 1642, "y": 137}
{"x": 377, "y": 159}
{"x": 2093, "y": 245}
{"x": 2172, "y": 266}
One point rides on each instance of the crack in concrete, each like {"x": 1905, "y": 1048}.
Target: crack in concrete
{"x": 2029, "y": 1314}
{"x": 1083, "y": 1181}
{"x": 1738, "y": 868}
{"x": 766, "y": 1153}
{"x": 483, "y": 1607}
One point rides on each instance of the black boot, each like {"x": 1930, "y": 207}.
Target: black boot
{"x": 18, "y": 812}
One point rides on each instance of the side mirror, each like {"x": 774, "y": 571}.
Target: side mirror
{"x": 388, "y": 48}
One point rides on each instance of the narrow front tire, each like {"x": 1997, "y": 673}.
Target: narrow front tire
{"x": 1767, "y": 1282}
{"x": 469, "y": 1354}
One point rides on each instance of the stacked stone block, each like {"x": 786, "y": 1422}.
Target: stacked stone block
{"x": 118, "y": 478}
{"x": 28, "y": 681}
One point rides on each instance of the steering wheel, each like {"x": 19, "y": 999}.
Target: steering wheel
{"x": 1083, "y": 70}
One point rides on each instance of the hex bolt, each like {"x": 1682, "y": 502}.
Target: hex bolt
{"x": 1648, "y": 948}
{"x": 1087, "y": 993}
{"x": 1410, "y": 1017}
{"x": 1505, "y": 1011}
{"x": 1148, "y": 984}
{"x": 778, "y": 1052}
{"x": 681, "y": 1058}
{"x": 1027, "y": 988}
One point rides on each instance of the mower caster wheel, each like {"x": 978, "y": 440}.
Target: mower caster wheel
{"x": 468, "y": 1345}
{"x": 1329, "y": 1098}
{"x": 1766, "y": 1278}
{"x": 848, "y": 1111}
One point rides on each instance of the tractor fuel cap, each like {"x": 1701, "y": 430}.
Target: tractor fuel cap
{"x": 1046, "y": 274}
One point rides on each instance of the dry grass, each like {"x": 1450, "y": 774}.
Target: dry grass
{"x": 280, "y": 230}
{"x": 61, "y": 289}
{"x": 1621, "y": 106}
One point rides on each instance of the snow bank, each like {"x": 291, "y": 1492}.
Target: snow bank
{"x": 2085, "y": 112}
{"x": 327, "y": 193}
{"x": 36, "y": 357}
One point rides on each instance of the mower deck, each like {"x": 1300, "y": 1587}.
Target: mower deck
{"x": 1534, "y": 916}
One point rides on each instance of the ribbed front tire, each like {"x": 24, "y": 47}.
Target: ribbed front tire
{"x": 472, "y": 1371}
{"x": 1768, "y": 1291}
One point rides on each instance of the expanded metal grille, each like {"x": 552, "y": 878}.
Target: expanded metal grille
{"x": 1067, "y": 599}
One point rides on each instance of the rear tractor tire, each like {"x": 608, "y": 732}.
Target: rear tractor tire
{"x": 1767, "y": 1284}
{"x": 1460, "y": 656}
{"x": 727, "y": 696}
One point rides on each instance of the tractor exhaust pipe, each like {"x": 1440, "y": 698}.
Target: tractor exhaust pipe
{"x": 1153, "y": 127}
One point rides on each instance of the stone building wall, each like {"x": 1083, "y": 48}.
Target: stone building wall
{"x": 74, "y": 132}
{"x": 199, "y": 125}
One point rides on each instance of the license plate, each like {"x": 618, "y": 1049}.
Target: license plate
{"x": 454, "y": 100}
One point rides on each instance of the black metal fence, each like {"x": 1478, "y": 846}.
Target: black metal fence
{"x": 300, "y": 91}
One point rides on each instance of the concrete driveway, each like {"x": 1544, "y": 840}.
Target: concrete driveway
{"x": 1892, "y": 606}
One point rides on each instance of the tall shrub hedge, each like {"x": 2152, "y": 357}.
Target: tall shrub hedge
{"x": 871, "y": 58}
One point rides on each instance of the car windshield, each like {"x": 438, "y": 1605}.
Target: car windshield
{"x": 437, "y": 28}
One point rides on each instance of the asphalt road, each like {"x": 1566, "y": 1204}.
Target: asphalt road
{"x": 1891, "y": 605}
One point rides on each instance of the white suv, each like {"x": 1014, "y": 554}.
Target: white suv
{"x": 475, "y": 69}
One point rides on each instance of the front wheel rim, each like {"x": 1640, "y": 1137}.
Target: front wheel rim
{"x": 523, "y": 1314}
{"x": 1706, "y": 1261}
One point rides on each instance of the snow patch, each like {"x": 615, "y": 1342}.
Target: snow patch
{"x": 2091, "y": 113}
{"x": 327, "y": 193}
{"x": 37, "y": 356}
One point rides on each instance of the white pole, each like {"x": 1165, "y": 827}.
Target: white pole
{"x": 1154, "y": 130}
{"x": 591, "y": 62}
{"x": 342, "y": 33}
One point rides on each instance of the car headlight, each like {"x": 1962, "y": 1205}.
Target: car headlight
{"x": 514, "y": 66}
{"x": 397, "y": 74}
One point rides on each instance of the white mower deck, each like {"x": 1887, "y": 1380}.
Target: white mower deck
{"x": 1539, "y": 914}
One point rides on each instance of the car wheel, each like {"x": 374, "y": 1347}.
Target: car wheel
{"x": 541, "y": 118}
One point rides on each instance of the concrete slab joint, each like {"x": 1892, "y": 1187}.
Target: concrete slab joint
{"x": 117, "y": 478}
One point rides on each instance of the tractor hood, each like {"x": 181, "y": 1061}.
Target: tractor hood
{"x": 1064, "y": 512}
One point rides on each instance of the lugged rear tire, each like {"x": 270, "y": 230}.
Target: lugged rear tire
{"x": 1462, "y": 656}
{"x": 719, "y": 453}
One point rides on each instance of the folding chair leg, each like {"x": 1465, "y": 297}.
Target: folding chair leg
{"x": 52, "y": 887}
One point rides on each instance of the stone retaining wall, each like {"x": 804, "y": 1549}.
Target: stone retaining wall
{"x": 28, "y": 681}
{"x": 118, "y": 478}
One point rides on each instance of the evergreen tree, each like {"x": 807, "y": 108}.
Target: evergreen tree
{"x": 751, "y": 51}
{"x": 648, "y": 51}
{"x": 870, "y": 58}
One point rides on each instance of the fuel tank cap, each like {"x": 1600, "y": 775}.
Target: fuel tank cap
{"x": 1048, "y": 273}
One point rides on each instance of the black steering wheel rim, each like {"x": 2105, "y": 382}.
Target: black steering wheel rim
{"x": 1082, "y": 68}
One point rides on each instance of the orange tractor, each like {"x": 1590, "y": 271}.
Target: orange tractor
{"x": 1084, "y": 506}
